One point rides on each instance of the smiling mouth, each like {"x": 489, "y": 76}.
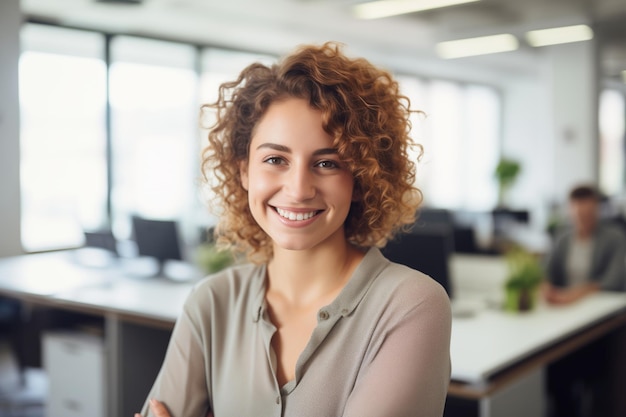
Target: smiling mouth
{"x": 300, "y": 216}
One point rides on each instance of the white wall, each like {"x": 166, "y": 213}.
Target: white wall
{"x": 550, "y": 125}
{"x": 10, "y": 19}
{"x": 527, "y": 137}
{"x": 575, "y": 108}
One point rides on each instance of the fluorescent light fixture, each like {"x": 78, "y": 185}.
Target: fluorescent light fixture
{"x": 477, "y": 46}
{"x": 385, "y": 8}
{"x": 554, "y": 36}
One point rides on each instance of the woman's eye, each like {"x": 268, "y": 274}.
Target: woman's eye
{"x": 328, "y": 164}
{"x": 274, "y": 160}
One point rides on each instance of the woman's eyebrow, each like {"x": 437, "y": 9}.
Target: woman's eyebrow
{"x": 274, "y": 146}
{"x": 325, "y": 151}
{"x": 283, "y": 148}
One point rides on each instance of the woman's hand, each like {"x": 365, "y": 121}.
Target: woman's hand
{"x": 157, "y": 408}
{"x": 562, "y": 296}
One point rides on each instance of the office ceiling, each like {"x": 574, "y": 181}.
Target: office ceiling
{"x": 277, "y": 25}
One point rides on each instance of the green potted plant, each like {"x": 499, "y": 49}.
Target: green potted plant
{"x": 212, "y": 259}
{"x": 506, "y": 172}
{"x": 523, "y": 281}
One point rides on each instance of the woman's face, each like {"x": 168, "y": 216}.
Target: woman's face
{"x": 299, "y": 191}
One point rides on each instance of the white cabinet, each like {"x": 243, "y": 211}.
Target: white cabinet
{"x": 75, "y": 365}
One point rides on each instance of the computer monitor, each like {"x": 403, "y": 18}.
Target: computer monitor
{"x": 158, "y": 239}
{"x": 425, "y": 249}
{"x": 433, "y": 217}
{"x": 505, "y": 214}
{"x": 103, "y": 239}
{"x": 465, "y": 224}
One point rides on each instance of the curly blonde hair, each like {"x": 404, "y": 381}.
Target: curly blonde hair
{"x": 364, "y": 112}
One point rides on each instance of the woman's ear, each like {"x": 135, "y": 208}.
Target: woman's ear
{"x": 243, "y": 173}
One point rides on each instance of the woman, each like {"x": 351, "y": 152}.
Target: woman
{"x": 312, "y": 168}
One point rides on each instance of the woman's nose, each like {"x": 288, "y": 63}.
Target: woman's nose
{"x": 300, "y": 183}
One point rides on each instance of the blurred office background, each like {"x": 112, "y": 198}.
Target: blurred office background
{"x": 109, "y": 95}
{"x": 100, "y": 106}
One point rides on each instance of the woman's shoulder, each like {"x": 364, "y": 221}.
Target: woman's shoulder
{"x": 400, "y": 294}
{"x": 413, "y": 281}
{"x": 402, "y": 285}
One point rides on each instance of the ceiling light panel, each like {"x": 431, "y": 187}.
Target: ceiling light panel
{"x": 385, "y": 8}
{"x": 477, "y": 46}
{"x": 554, "y": 36}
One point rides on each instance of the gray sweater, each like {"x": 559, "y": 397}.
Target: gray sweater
{"x": 608, "y": 260}
{"x": 381, "y": 348}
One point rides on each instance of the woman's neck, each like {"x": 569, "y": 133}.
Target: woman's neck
{"x": 303, "y": 277}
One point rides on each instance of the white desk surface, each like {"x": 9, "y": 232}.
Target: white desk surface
{"x": 492, "y": 340}
{"x": 46, "y": 274}
{"x": 145, "y": 298}
{"x": 60, "y": 278}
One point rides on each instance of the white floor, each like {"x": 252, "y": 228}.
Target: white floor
{"x": 17, "y": 400}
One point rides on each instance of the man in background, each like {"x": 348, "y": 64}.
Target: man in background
{"x": 588, "y": 256}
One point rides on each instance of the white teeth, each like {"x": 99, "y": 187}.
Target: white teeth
{"x": 295, "y": 216}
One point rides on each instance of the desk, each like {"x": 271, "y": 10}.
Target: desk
{"x": 492, "y": 341}
{"x": 41, "y": 276}
{"x": 155, "y": 302}
{"x": 138, "y": 314}
{"x": 493, "y": 351}
{"x": 57, "y": 279}
{"x": 490, "y": 352}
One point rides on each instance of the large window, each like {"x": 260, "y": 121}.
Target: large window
{"x": 154, "y": 119}
{"x": 459, "y": 132}
{"x": 63, "y": 138}
{"x": 221, "y": 65}
{"x": 155, "y": 92}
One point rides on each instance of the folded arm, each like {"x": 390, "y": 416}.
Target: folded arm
{"x": 181, "y": 384}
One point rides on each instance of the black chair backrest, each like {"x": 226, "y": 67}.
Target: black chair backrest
{"x": 426, "y": 249}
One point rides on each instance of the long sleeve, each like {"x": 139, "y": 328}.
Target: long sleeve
{"x": 410, "y": 372}
{"x": 181, "y": 384}
{"x": 609, "y": 261}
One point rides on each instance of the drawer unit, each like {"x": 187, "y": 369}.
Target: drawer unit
{"x": 75, "y": 365}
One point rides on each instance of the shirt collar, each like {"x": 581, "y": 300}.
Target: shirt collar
{"x": 362, "y": 278}
{"x": 348, "y": 299}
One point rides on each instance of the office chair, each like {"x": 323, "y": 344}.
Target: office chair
{"x": 426, "y": 249}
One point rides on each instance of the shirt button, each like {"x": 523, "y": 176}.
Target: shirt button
{"x": 323, "y": 315}
{"x": 345, "y": 311}
{"x": 277, "y": 400}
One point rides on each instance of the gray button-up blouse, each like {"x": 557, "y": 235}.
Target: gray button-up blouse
{"x": 380, "y": 349}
